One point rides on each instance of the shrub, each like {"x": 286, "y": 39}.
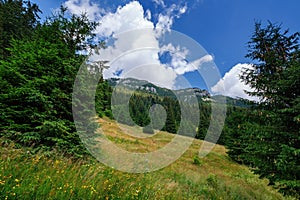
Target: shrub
{"x": 148, "y": 129}
{"x": 196, "y": 160}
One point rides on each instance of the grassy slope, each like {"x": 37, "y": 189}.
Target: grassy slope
{"x": 39, "y": 176}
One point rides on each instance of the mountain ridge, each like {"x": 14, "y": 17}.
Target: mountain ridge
{"x": 150, "y": 88}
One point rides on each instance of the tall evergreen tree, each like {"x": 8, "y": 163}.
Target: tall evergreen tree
{"x": 37, "y": 83}
{"x": 273, "y": 137}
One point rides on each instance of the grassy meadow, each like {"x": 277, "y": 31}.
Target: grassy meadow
{"x": 44, "y": 175}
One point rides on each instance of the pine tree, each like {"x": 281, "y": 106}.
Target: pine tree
{"x": 273, "y": 136}
{"x": 37, "y": 83}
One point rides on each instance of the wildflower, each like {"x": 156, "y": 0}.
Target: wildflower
{"x": 17, "y": 180}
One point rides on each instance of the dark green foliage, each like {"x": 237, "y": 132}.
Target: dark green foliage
{"x": 37, "y": 83}
{"x": 137, "y": 111}
{"x": 75, "y": 31}
{"x": 205, "y": 112}
{"x": 142, "y": 101}
{"x": 196, "y": 160}
{"x": 267, "y": 138}
{"x": 103, "y": 99}
{"x": 18, "y": 19}
{"x": 254, "y": 139}
{"x": 173, "y": 115}
{"x": 140, "y": 104}
{"x": 277, "y": 54}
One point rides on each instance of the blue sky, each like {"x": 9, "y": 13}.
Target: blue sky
{"x": 222, "y": 27}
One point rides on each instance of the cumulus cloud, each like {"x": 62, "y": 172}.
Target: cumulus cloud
{"x": 126, "y": 18}
{"x": 134, "y": 51}
{"x": 133, "y": 46}
{"x": 230, "y": 85}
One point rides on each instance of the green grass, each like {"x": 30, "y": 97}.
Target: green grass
{"x": 25, "y": 175}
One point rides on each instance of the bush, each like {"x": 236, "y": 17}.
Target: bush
{"x": 148, "y": 129}
{"x": 196, "y": 160}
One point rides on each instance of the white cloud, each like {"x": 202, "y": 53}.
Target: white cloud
{"x": 183, "y": 9}
{"x": 160, "y": 75}
{"x": 148, "y": 15}
{"x": 193, "y": 66}
{"x": 231, "y": 85}
{"x": 134, "y": 49}
{"x": 179, "y": 62}
{"x": 178, "y": 55}
{"x": 126, "y": 18}
{"x": 177, "y": 10}
{"x": 166, "y": 19}
{"x": 164, "y": 23}
{"x": 79, "y": 7}
{"x": 160, "y": 3}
